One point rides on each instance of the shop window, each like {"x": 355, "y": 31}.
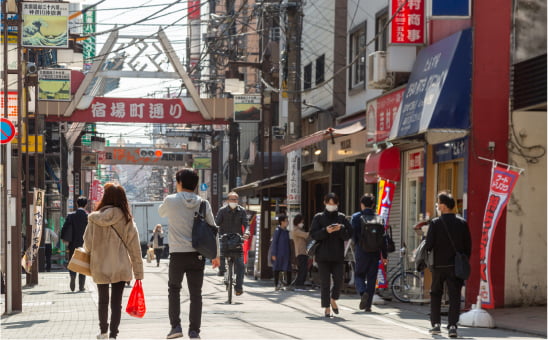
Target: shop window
{"x": 357, "y": 55}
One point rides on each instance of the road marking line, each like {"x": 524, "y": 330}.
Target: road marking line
{"x": 401, "y": 324}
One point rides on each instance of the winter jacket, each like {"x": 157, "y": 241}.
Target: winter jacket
{"x": 331, "y": 248}
{"x": 179, "y": 209}
{"x": 437, "y": 239}
{"x": 299, "y": 239}
{"x": 159, "y": 244}
{"x": 281, "y": 248}
{"x": 110, "y": 260}
{"x": 231, "y": 220}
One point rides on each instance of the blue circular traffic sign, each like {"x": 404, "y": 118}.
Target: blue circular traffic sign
{"x": 203, "y": 187}
{"x": 7, "y": 131}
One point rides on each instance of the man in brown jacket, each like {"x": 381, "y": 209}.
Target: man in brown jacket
{"x": 299, "y": 236}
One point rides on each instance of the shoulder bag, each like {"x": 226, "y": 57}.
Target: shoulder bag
{"x": 79, "y": 262}
{"x": 462, "y": 265}
{"x": 203, "y": 235}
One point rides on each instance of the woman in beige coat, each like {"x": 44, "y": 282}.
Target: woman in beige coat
{"x": 112, "y": 240}
{"x": 300, "y": 236}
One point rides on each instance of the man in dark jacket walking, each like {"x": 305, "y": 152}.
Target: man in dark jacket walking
{"x": 73, "y": 234}
{"x": 441, "y": 229}
{"x": 230, "y": 220}
{"x": 367, "y": 262}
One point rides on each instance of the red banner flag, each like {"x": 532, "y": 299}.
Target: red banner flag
{"x": 502, "y": 184}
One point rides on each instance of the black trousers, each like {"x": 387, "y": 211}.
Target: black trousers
{"x": 454, "y": 285}
{"x": 48, "y": 256}
{"x": 302, "y": 264}
{"x": 277, "y": 277}
{"x": 327, "y": 271}
{"x": 192, "y": 264}
{"x": 158, "y": 253}
{"x": 116, "y": 294}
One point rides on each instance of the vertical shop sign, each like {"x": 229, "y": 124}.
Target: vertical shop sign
{"x": 502, "y": 184}
{"x": 380, "y": 116}
{"x": 37, "y": 220}
{"x": 89, "y": 46}
{"x": 407, "y": 27}
{"x": 386, "y": 197}
{"x": 294, "y": 177}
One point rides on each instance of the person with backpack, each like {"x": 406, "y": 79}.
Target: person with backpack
{"x": 330, "y": 228}
{"x": 369, "y": 244}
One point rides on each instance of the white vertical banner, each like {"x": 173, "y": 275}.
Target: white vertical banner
{"x": 294, "y": 177}
{"x": 37, "y": 220}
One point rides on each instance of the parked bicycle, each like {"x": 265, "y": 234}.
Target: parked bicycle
{"x": 407, "y": 285}
{"x": 231, "y": 246}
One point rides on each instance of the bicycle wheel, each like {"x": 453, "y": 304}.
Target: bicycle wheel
{"x": 407, "y": 287}
{"x": 230, "y": 283}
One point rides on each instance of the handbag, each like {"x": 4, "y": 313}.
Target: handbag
{"x": 388, "y": 241}
{"x": 136, "y": 303}
{"x": 462, "y": 264}
{"x": 423, "y": 258}
{"x": 231, "y": 243}
{"x": 79, "y": 262}
{"x": 203, "y": 235}
{"x": 312, "y": 247}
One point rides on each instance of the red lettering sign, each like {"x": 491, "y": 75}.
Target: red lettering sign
{"x": 407, "y": 27}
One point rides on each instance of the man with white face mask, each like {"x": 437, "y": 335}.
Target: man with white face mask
{"x": 230, "y": 220}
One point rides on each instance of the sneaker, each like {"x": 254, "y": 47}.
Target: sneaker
{"x": 239, "y": 292}
{"x": 176, "y": 332}
{"x": 193, "y": 335}
{"x": 363, "y": 300}
{"x": 436, "y": 329}
{"x": 102, "y": 336}
{"x": 453, "y": 331}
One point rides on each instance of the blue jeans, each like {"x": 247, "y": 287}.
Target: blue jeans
{"x": 365, "y": 275}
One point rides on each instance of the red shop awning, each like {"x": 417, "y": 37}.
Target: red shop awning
{"x": 318, "y": 136}
{"x": 384, "y": 164}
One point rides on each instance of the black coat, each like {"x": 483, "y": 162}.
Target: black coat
{"x": 74, "y": 228}
{"x": 331, "y": 248}
{"x": 437, "y": 239}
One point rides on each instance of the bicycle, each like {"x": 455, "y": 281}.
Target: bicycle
{"x": 407, "y": 286}
{"x": 231, "y": 245}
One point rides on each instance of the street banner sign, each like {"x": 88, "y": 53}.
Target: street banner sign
{"x": 7, "y": 131}
{"x": 502, "y": 183}
{"x": 247, "y": 108}
{"x": 54, "y": 84}
{"x": 37, "y": 225}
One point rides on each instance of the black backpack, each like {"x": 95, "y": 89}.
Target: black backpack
{"x": 371, "y": 233}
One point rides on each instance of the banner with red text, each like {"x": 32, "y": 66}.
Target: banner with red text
{"x": 502, "y": 184}
{"x": 386, "y": 197}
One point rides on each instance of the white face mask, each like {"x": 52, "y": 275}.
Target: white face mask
{"x": 233, "y": 205}
{"x": 300, "y": 225}
{"x": 331, "y": 207}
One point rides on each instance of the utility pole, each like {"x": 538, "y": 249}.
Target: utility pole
{"x": 293, "y": 79}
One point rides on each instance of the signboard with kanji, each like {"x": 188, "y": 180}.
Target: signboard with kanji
{"x": 380, "y": 115}
{"x": 54, "y": 84}
{"x": 147, "y": 156}
{"x": 45, "y": 24}
{"x": 247, "y": 108}
{"x": 408, "y": 25}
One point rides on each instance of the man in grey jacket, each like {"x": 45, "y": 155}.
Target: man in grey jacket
{"x": 179, "y": 208}
{"x": 230, "y": 220}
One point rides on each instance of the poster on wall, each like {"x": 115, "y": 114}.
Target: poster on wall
{"x": 45, "y": 24}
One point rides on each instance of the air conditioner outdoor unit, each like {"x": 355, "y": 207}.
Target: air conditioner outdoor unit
{"x": 377, "y": 77}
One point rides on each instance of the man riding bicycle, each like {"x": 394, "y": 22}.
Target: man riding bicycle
{"x": 230, "y": 220}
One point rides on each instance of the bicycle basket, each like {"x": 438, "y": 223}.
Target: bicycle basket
{"x": 230, "y": 244}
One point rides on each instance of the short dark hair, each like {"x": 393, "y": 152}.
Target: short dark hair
{"x": 81, "y": 201}
{"x": 446, "y": 198}
{"x": 368, "y": 200}
{"x": 331, "y": 196}
{"x": 282, "y": 217}
{"x": 188, "y": 178}
{"x": 297, "y": 219}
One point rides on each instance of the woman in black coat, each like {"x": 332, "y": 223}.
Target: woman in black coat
{"x": 331, "y": 229}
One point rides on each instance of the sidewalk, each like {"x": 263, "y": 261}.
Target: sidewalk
{"x": 50, "y": 311}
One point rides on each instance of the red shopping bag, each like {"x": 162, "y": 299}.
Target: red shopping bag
{"x": 136, "y": 303}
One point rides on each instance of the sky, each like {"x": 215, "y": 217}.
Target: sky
{"x": 171, "y": 17}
